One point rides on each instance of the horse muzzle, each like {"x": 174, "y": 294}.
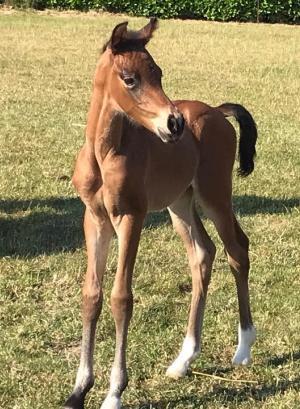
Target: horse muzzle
{"x": 174, "y": 131}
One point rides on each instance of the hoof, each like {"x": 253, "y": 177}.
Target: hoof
{"x": 74, "y": 402}
{"x": 241, "y": 358}
{"x": 111, "y": 402}
{"x": 177, "y": 370}
{"x": 188, "y": 354}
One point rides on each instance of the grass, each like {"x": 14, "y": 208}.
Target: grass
{"x": 46, "y": 65}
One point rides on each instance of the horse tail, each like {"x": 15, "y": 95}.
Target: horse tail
{"x": 248, "y": 135}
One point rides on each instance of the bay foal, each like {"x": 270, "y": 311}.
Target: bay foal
{"x": 142, "y": 153}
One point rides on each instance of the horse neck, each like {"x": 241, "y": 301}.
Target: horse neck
{"x": 104, "y": 125}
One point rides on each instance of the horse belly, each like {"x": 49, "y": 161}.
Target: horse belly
{"x": 170, "y": 172}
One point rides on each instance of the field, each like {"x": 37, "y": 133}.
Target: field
{"x": 46, "y": 66}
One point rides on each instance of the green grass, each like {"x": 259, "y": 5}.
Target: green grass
{"x": 46, "y": 66}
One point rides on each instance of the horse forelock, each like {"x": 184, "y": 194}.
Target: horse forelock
{"x": 134, "y": 41}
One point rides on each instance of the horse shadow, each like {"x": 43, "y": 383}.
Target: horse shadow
{"x": 46, "y": 226}
{"x": 245, "y": 205}
{"x": 41, "y": 226}
{"x": 236, "y": 394}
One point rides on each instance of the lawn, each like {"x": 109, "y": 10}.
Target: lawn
{"x": 46, "y": 66}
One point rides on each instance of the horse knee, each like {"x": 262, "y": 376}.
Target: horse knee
{"x": 203, "y": 265}
{"x": 246, "y": 241}
{"x": 91, "y": 300}
{"x": 238, "y": 260}
{"x": 241, "y": 236}
{"x": 206, "y": 267}
{"x": 121, "y": 304}
{"x": 211, "y": 249}
{"x": 243, "y": 240}
{"x": 205, "y": 276}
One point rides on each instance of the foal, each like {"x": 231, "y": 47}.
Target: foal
{"x": 144, "y": 153}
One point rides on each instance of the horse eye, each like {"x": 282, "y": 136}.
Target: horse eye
{"x": 129, "y": 81}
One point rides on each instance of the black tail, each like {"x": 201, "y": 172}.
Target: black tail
{"x": 248, "y": 135}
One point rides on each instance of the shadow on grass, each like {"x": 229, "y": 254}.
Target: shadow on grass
{"x": 243, "y": 206}
{"x": 224, "y": 395}
{"x": 283, "y": 359}
{"x": 250, "y": 204}
{"x": 45, "y": 226}
{"x": 40, "y": 226}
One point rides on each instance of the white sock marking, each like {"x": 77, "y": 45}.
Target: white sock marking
{"x": 242, "y": 355}
{"x": 111, "y": 402}
{"x": 187, "y": 355}
{"x": 83, "y": 378}
{"x": 113, "y": 398}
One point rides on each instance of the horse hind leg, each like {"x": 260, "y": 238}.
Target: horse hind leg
{"x": 236, "y": 245}
{"x": 240, "y": 268}
{"x": 201, "y": 252}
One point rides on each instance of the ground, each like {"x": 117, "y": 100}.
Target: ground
{"x": 46, "y": 64}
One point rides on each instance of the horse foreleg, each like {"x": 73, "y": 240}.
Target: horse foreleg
{"x": 98, "y": 233}
{"x": 128, "y": 230}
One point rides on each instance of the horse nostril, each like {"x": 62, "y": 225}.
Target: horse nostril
{"x": 180, "y": 124}
{"x": 176, "y": 124}
{"x": 172, "y": 124}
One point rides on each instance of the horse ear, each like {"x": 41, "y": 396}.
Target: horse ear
{"x": 147, "y": 31}
{"x": 119, "y": 35}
